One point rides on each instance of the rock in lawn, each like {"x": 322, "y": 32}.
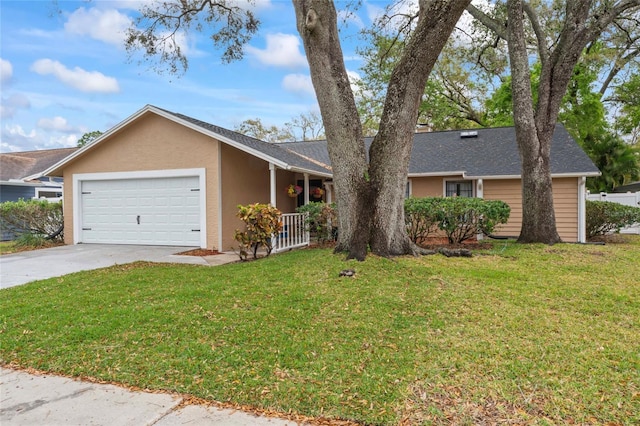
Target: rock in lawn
{"x": 347, "y": 273}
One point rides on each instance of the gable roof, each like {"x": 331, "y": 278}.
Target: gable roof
{"x": 29, "y": 165}
{"x": 491, "y": 153}
{"x": 272, "y": 153}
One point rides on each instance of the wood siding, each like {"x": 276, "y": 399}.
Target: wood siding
{"x": 565, "y": 198}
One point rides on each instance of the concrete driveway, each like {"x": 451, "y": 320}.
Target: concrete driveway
{"x": 21, "y": 268}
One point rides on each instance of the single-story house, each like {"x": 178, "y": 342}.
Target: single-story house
{"x": 164, "y": 178}
{"x": 20, "y": 174}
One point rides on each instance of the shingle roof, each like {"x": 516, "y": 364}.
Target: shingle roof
{"x": 493, "y": 152}
{"x": 18, "y": 165}
{"x": 270, "y": 149}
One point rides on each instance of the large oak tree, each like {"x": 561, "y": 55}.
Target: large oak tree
{"x": 582, "y": 22}
{"x": 369, "y": 189}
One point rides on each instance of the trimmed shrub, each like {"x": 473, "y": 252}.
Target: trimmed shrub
{"x": 422, "y": 216}
{"x": 38, "y": 218}
{"x": 460, "y": 218}
{"x": 321, "y": 220}
{"x": 605, "y": 217}
{"x": 464, "y": 218}
{"x": 262, "y": 223}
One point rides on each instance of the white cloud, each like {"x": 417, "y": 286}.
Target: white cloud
{"x": 105, "y": 25}
{"x": 58, "y": 124}
{"x": 298, "y": 83}
{"x": 6, "y": 70}
{"x": 14, "y": 138}
{"x": 10, "y": 105}
{"x": 282, "y": 50}
{"x": 85, "y": 81}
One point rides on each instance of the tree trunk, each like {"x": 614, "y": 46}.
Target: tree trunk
{"x": 370, "y": 196}
{"x": 391, "y": 148}
{"x": 538, "y": 214}
{"x": 317, "y": 25}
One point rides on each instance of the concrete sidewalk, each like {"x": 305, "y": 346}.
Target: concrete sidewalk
{"x": 30, "y": 399}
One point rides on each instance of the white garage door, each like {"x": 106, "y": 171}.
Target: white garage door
{"x": 149, "y": 211}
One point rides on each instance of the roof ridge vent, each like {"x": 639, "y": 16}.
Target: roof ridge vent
{"x": 469, "y": 134}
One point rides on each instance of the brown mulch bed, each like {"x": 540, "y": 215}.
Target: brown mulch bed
{"x": 199, "y": 252}
{"x": 434, "y": 243}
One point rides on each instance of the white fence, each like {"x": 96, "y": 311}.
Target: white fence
{"x": 294, "y": 232}
{"x": 628, "y": 199}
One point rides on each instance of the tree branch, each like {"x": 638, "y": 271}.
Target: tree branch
{"x": 500, "y": 28}
{"x": 543, "y": 49}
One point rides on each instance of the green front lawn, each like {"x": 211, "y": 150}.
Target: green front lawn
{"x": 522, "y": 333}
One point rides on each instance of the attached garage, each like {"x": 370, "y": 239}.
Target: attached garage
{"x": 147, "y": 208}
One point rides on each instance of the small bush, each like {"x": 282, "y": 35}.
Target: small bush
{"x": 321, "y": 220}
{"x": 34, "y": 217}
{"x": 422, "y": 216}
{"x": 605, "y": 217}
{"x": 262, "y": 222}
{"x": 464, "y": 218}
{"x": 460, "y": 218}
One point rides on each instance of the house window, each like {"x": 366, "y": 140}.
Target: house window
{"x": 407, "y": 191}
{"x": 48, "y": 193}
{"x": 459, "y": 188}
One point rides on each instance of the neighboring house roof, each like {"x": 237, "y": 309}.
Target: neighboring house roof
{"x": 28, "y": 165}
{"x": 630, "y": 187}
{"x": 489, "y": 153}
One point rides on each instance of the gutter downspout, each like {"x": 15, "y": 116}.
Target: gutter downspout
{"x": 582, "y": 206}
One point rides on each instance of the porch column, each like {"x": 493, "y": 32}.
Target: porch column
{"x": 272, "y": 183}
{"x": 327, "y": 190}
{"x": 306, "y": 189}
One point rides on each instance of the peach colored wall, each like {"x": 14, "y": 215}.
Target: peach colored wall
{"x": 509, "y": 191}
{"x": 247, "y": 181}
{"x": 428, "y": 186}
{"x": 150, "y": 143}
{"x": 565, "y": 201}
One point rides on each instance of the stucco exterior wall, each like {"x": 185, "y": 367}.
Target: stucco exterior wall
{"x": 150, "y": 143}
{"x": 247, "y": 181}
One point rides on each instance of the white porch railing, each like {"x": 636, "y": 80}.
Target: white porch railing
{"x": 294, "y": 232}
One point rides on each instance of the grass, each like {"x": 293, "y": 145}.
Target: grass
{"x": 9, "y": 247}
{"x": 527, "y": 334}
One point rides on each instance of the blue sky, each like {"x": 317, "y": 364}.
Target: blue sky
{"x": 64, "y": 72}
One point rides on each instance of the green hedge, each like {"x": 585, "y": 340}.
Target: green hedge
{"x": 460, "y": 218}
{"x": 38, "y": 218}
{"x": 322, "y": 220}
{"x": 605, "y": 217}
